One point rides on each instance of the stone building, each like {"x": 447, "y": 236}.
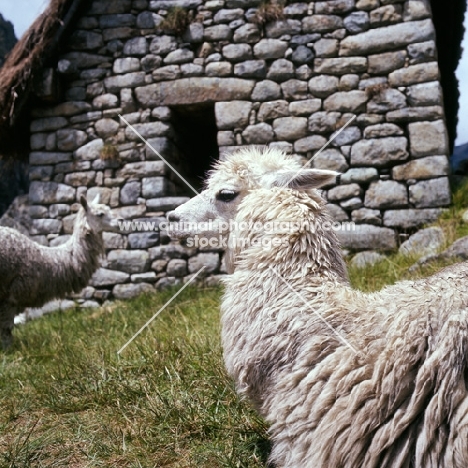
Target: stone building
{"x": 199, "y": 78}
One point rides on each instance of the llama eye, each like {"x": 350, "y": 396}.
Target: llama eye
{"x": 100, "y": 215}
{"x": 226, "y": 195}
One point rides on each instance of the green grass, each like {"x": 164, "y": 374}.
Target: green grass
{"x": 395, "y": 266}
{"x": 68, "y": 400}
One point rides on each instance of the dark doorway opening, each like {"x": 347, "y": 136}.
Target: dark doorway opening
{"x": 448, "y": 22}
{"x": 196, "y": 139}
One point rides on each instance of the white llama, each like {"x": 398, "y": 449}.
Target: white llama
{"x": 31, "y": 274}
{"x": 345, "y": 378}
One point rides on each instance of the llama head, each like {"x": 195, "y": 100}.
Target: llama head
{"x": 209, "y": 214}
{"x": 98, "y": 217}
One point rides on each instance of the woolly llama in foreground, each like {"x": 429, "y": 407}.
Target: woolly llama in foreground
{"x": 345, "y": 378}
{"x": 31, "y": 274}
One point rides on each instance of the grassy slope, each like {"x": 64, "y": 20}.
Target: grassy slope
{"x": 68, "y": 400}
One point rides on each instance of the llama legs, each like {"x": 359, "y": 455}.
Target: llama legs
{"x": 7, "y": 322}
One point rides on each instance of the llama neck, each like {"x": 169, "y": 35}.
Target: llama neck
{"x": 73, "y": 263}
{"x": 311, "y": 251}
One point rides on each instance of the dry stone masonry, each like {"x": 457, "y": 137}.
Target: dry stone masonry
{"x": 289, "y": 83}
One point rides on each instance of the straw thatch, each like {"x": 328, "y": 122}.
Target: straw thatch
{"x": 27, "y": 58}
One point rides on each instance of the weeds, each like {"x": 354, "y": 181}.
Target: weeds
{"x": 177, "y": 20}
{"x": 68, "y": 400}
{"x": 109, "y": 153}
{"x": 269, "y": 10}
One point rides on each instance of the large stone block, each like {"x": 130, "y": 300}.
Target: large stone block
{"x": 50, "y": 192}
{"x": 273, "y": 110}
{"x": 343, "y": 192}
{"x": 45, "y": 226}
{"x": 340, "y": 66}
{"x": 250, "y": 69}
{"x": 266, "y": 90}
{"x": 129, "y": 261}
{"x": 387, "y": 38}
{"x": 234, "y": 114}
{"x": 142, "y": 169}
{"x": 424, "y": 168}
{"x": 386, "y": 194}
{"x": 270, "y": 49}
{"x": 321, "y": 23}
{"x": 334, "y": 7}
{"x": 143, "y": 240}
{"x": 194, "y": 91}
{"x": 39, "y": 158}
{"x": 425, "y": 94}
{"x": 310, "y": 143}
{"x": 128, "y": 80}
{"x": 365, "y": 237}
{"x": 330, "y": 159}
{"x": 237, "y": 52}
{"x": 305, "y": 107}
{"x": 414, "y": 74}
{"x": 414, "y": 114}
{"x": 430, "y": 193}
{"x": 147, "y": 130}
{"x": 382, "y": 130}
{"x": 155, "y": 187}
{"x": 106, "y": 128}
{"x": 386, "y": 62}
{"x": 219, "y": 32}
{"x": 281, "y": 70}
{"x": 162, "y": 45}
{"x": 425, "y": 242}
{"x": 47, "y": 124}
{"x": 360, "y": 175}
{"x": 208, "y": 260}
{"x": 323, "y": 122}
{"x": 280, "y": 28}
{"x": 379, "y": 152}
{"x": 290, "y": 128}
{"x": 104, "y": 277}
{"x": 407, "y": 219}
{"x": 428, "y": 138}
{"x": 127, "y": 291}
{"x": 351, "y": 101}
{"x": 259, "y": 134}
{"x": 130, "y": 193}
{"x": 90, "y": 151}
{"x": 129, "y": 212}
{"x": 387, "y": 100}
{"x": 126, "y": 65}
{"x": 294, "y": 90}
{"x": 248, "y": 33}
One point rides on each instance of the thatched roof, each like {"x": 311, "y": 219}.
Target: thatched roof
{"x": 29, "y": 55}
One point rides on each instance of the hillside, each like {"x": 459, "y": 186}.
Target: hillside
{"x": 7, "y": 38}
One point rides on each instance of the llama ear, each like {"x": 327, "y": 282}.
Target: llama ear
{"x": 305, "y": 179}
{"x": 96, "y": 199}
{"x": 84, "y": 202}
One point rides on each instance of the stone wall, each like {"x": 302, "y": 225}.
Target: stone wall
{"x": 289, "y": 83}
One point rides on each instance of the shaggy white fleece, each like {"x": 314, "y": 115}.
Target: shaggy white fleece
{"x": 291, "y": 326}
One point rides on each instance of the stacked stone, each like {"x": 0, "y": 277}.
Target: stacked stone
{"x": 290, "y": 83}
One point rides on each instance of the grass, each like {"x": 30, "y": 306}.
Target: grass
{"x": 68, "y": 400}
{"x": 395, "y": 266}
